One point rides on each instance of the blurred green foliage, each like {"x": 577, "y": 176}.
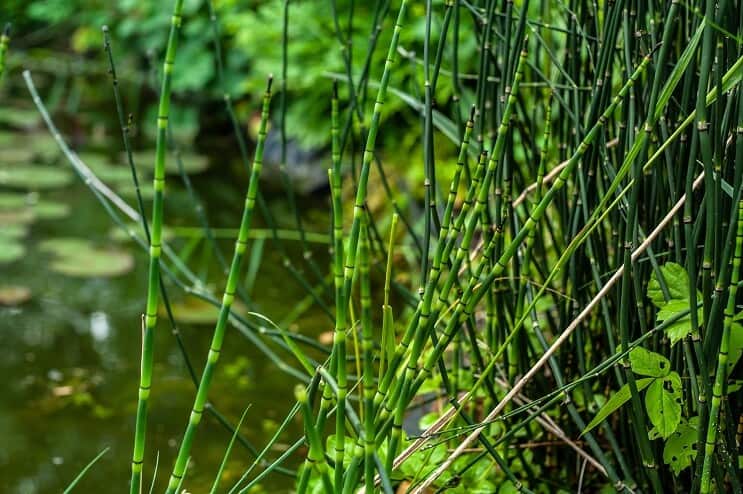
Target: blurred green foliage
{"x": 251, "y": 35}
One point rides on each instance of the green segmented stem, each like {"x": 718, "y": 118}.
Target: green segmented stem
{"x": 336, "y": 203}
{"x": 153, "y": 284}
{"x": 471, "y": 297}
{"x": 339, "y": 337}
{"x": 446, "y": 229}
{"x": 229, "y": 296}
{"x": 425, "y": 312}
{"x": 367, "y": 346}
{"x": 722, "y": 358}
{"x": 316, "y": 454}
{"x": 388, "y": 323}
{"x": 4, "y": 42}
{"x": 369, "y": 151}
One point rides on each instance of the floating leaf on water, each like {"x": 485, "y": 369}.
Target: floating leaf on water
{"x": 63, "y": 246}
{"x": 109, "y": 173}
{"x": 19, "y": 117}
{"x": 192, "y": 162}
{"x": 13, "y": 231}
{"x": 16, "y": 217}
{"x": 34, "y": 177}
{"x": 193, "y": 310}
{"x": 128, "y": 191}
{"x": 18, "y": 154}
{"x": 14, "y": 294}
{"x": 50, "y": 210}
{"x": 44, "y": 145}
{"x": 80, "y": 258}
{"x": 10, "y": 250}
{"x": 14, "y": 200}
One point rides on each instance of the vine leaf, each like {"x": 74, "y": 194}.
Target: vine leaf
{"x": 647, "y": 363}
{"x": 677, "y": 282}
{"x": 617, "y": 400}
{"x": 663, "y": 404}
{"x": 680, "y": 449}
{"x": 736, "y": 343}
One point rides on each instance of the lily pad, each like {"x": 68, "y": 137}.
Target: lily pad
{"x": 192, "y": 163}
{"x": 19, "y": 117}
{"x": 20, "y": 153}
{"x": 80, "y": 258}
{"x": 50, "y": 210}
{"x": 14, "y": 200}
{"x": 109, "y": 173}
{"x": 16, "y": 217}
{"x": 13, "y": 231}
{"x": 10, "y": 250}
{"x": 14, "y": 295}
{"x": 35, "y": 177}
{"x": 194, "y": 310}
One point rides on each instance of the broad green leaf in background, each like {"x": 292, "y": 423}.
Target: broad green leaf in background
{"x": 647, "y": 363}
{"x": 617, "y": 400}
{"x": 663, "y": 404}
{"x": 736, "y": 343}
{"x": 680, "y": 449}
{"x": 677, "y": 282}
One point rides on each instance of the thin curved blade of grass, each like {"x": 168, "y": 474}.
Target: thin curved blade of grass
{"x": 228, "y": 451}
{"x": 82, "y": 473}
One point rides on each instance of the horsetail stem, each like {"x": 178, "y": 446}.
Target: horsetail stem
{"x": 473, "y": 294}
{"x": 229, "y": 296}
{"x": 316, "y": 456}
{"x": 339, "y": 336}
{"x": 367, "y": 345}
{"x": 722, "y": 360}
{"x": 421, "y": 330}
{"x": 369, "y": 151}
{"x": 153, "y": 285}
{"x": 4, "y": 42}
{"x": 387, "y": 342}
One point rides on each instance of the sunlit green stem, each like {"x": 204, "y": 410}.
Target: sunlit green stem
{"x": 153, "y": 285}
{"x": 227, "y": 300}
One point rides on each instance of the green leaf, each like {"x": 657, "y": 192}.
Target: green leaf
{"x": 676, "y": 280}
{"x": 735, "y": 349}
{"x": 663, "y": 404}
{"x": 680, "y": 449}
{"x": 678, "y": 70}
{"x": 647, "y": 363}
{"x": 617, "y": 400}
{"x": 680, "y": 328}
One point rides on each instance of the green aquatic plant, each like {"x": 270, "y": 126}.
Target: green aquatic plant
{"x": 499, "y": 321}
{"x": 153, "y": 284}
{"x": 215, "y": 348}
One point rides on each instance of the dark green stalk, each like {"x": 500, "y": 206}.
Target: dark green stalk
{"x": 367, "y": 345}
{"x": 229, "y": 295}
{"x": 4, "y": 42}
{"x": 371, "y": 140}
{"x": 722, "y": 361}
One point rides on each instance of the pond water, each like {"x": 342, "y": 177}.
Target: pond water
{"x": 70, "y": 344}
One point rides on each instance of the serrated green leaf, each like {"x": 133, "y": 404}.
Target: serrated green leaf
{"x": 663, "y": 404}
{"x": 617, "y": 400}
{"x": 676, "y": 280}
{"x": 680, "y": 449}
{"x": 735, "y": 348}
{"x": 647, "y": 363}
